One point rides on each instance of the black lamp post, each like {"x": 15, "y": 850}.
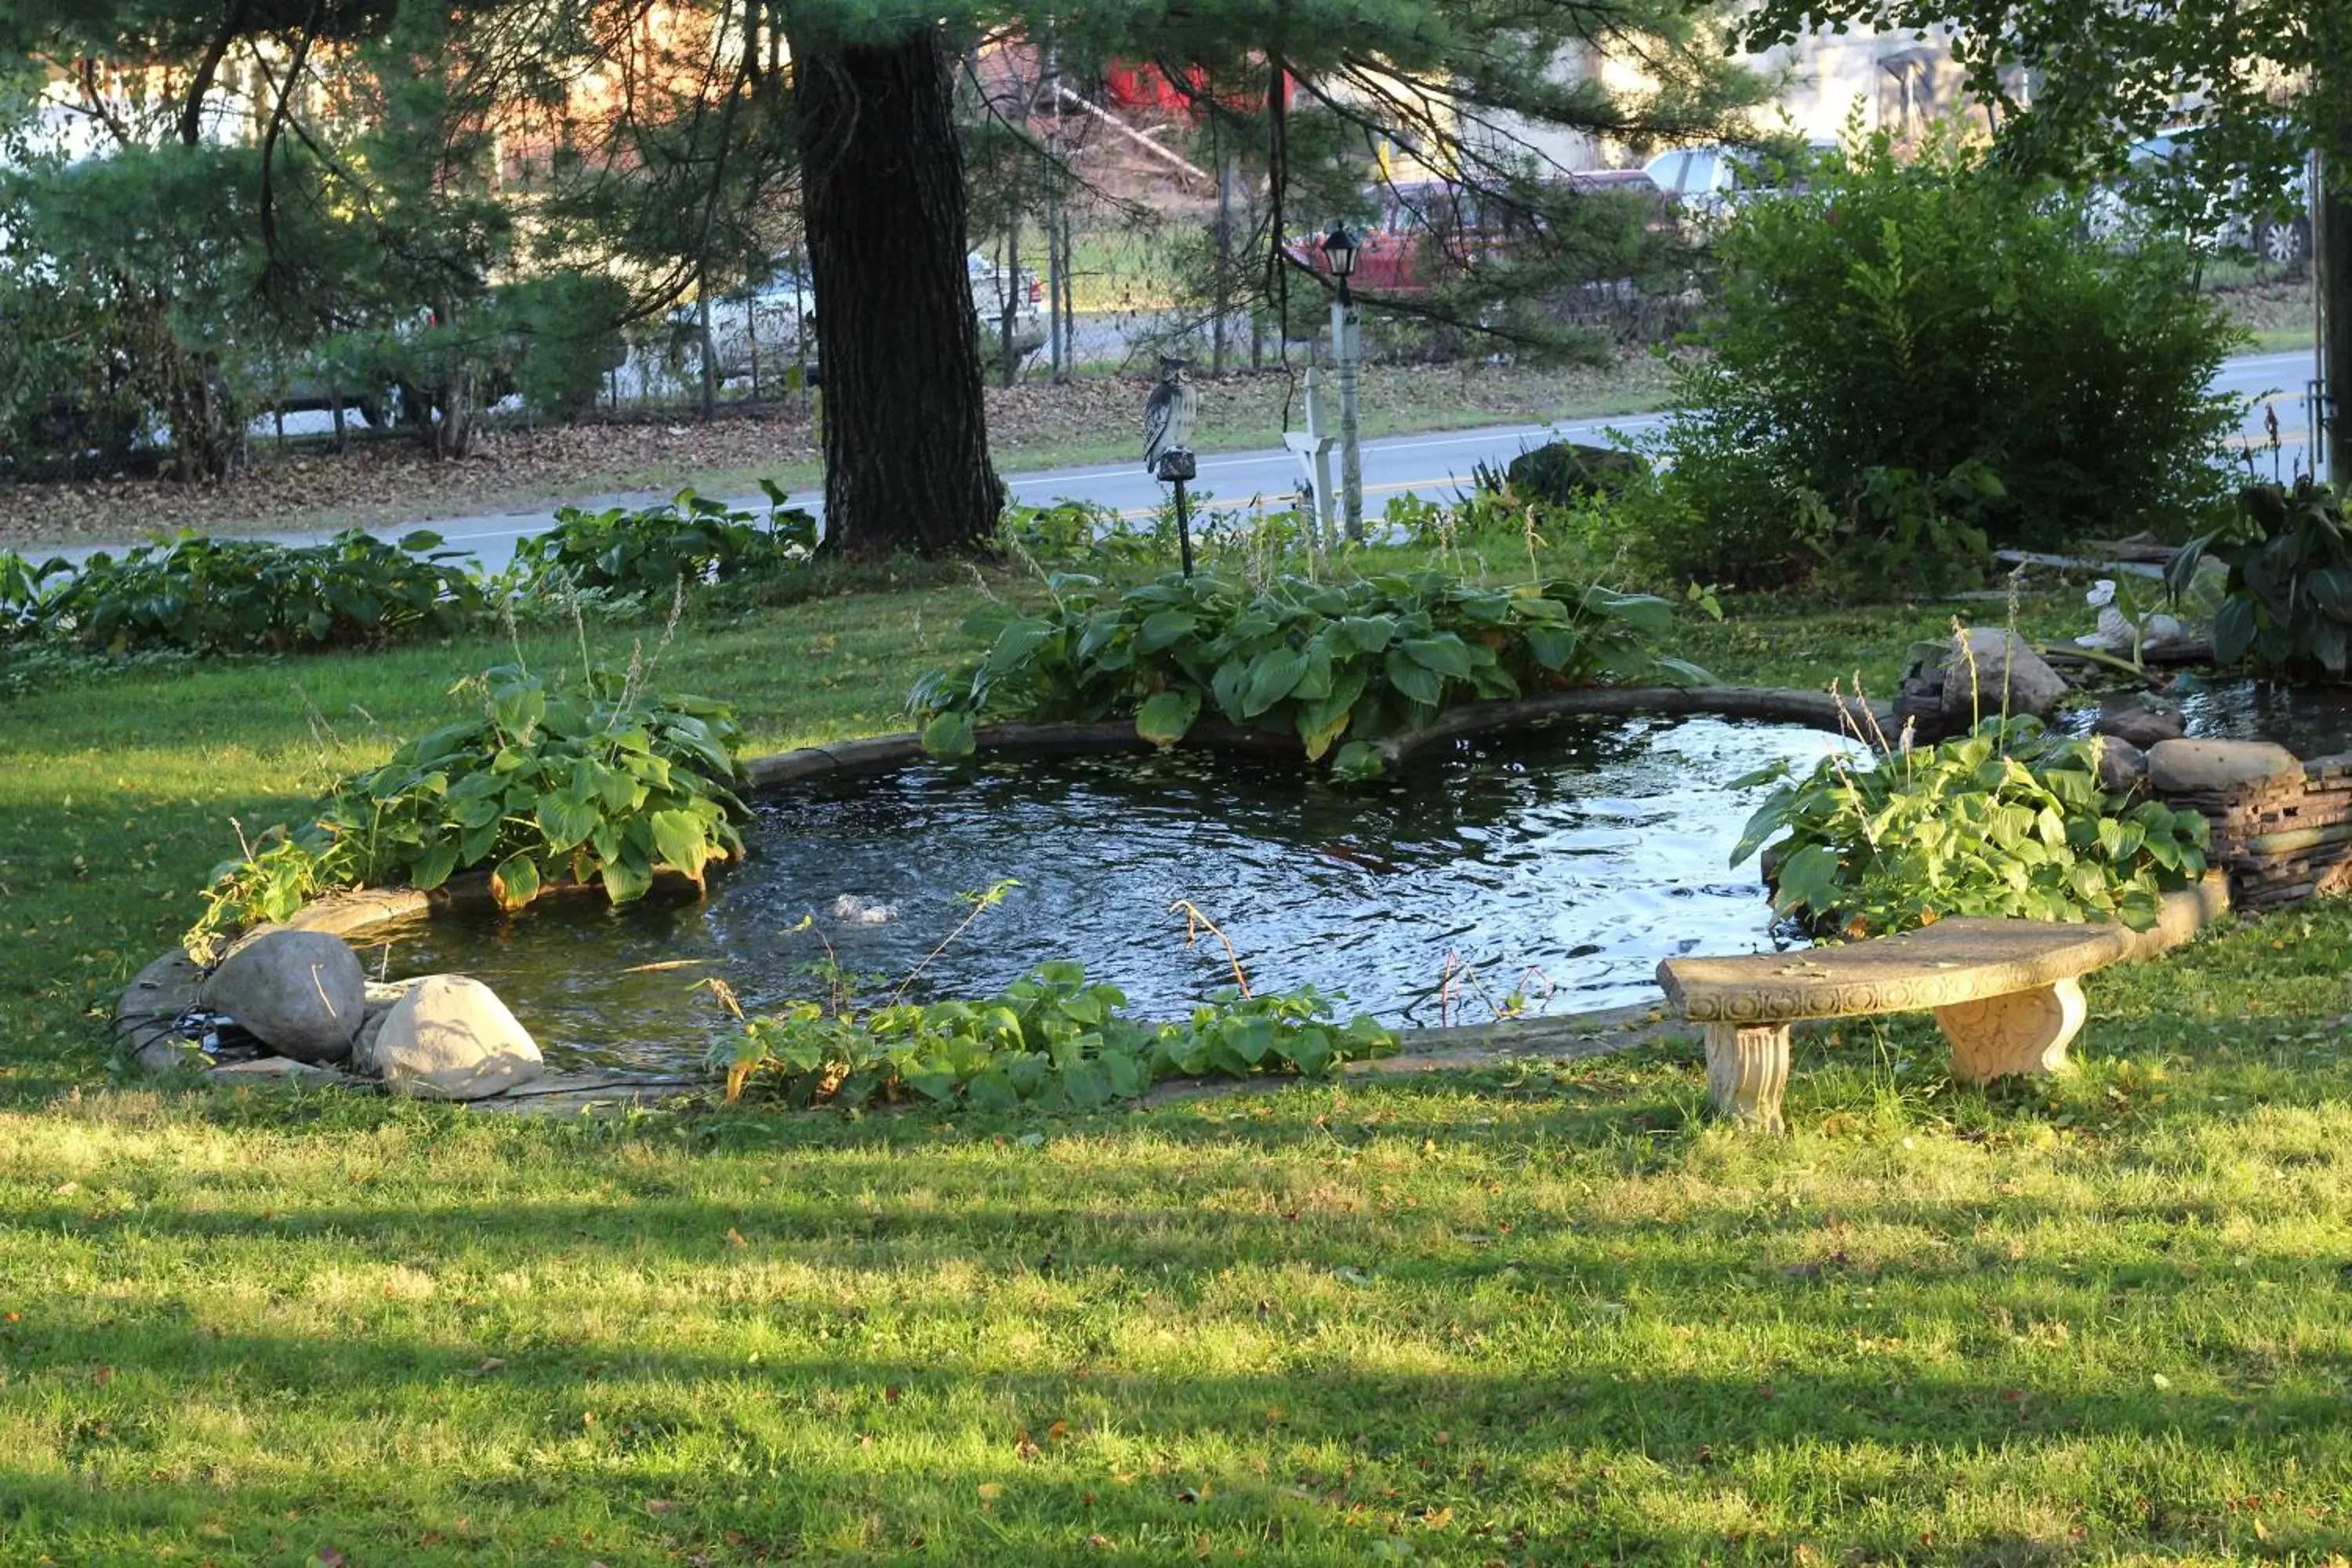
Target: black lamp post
{"x": 1340, "y": 250}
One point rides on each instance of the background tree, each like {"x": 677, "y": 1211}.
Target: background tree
{"x": 385, "y": 193}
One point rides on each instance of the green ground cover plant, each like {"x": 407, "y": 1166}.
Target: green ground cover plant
{"x": 1543, "y": 1311}
{"x": 1330, "y": 661}
{"x": 2010, "y": 820}
{"x": 1048, "y": 1041}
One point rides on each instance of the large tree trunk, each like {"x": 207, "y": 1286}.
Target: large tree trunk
{"x": 906, "y": 436}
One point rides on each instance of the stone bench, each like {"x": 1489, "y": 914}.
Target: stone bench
{"x": 2007, "y": 993}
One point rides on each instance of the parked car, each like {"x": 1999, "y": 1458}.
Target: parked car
{"x": 1709, "y": 181}
{"x": 773, "y": 326}
{"x": 2157, "y": 189}
{"x": 1428, "y": 231}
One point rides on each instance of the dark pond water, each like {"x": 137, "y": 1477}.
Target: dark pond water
{"x": 2309, "y": 720}
{"x": 1583, "y": 854}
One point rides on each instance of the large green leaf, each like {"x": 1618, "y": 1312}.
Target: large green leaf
{"x": 1272, "y": 676}
{"x": 1164, "y": 629}
{"x": 1417, "y": 682}
{"x": 2234, "y": 626}
{"x": 626, "y": 877}
{"x": 680, "y": 841}
{"x": 1167, "y": 716}
{"x": 515, "y": 882}
{"x": 948, "y": 736}
{"x": 433, "y": 868}
{"x": 1445, "y": 654}
{"x": 565, "y": 821}
{"x": 1320, "y": 724}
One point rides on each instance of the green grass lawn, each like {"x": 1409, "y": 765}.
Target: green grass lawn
{"x": 1548, "y": 1315}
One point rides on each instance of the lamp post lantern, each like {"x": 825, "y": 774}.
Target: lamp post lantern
{"x": 1340, "y": 250}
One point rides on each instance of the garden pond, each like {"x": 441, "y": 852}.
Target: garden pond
{"x": 1560, "y": 863}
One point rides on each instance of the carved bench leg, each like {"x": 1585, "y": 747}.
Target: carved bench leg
{"x": 1746, "y": 1071}
{"x": 2023, "y": 1032}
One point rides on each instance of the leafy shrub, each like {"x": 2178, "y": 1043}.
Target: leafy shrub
{"x": 649, "y": 551}
{"x": 1360, "y": 659}
{"x": 25, "y": 590}
{"x": 2287, "y": 601}
{"x": 1906, "y": 357}
{"x": 1077, "y": 533}
{"x": 545, "y": 788}
{"x": 248, "y": 596}
{"x": 1047, "y": 1040}
{"x": 2008, "y": 821}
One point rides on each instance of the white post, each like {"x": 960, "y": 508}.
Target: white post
{"x": 1346, "y": 348}
{"x": 1318, "y": 464}
{"x": 1313, "y": 446}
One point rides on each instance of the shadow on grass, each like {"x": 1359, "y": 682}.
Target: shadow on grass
{"x": 1335, "y": 1437}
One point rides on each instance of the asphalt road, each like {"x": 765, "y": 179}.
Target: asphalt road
{"x": 1432, "y": 465}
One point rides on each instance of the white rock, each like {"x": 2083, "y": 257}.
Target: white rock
{"x": 301, "y": 993}
{"x": 859, "y": 911}
{"x": 450, "y": 1038}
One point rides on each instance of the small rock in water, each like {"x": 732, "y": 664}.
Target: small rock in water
{"x": 2140, "y": 719}
{"x": 863, "y": 912}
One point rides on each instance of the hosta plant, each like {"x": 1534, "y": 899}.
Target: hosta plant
{"x": 1048, "y": 1040}
{"x": 604, "y": 787}
{"x": 650, "y": 550}
{"x": 2287, "y": 603}
{"x": 1329, "y": 662}
{"x": 2008, "y": 821}
{"x": 249, "y": 596}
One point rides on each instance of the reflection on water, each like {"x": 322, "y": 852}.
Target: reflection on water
{"x": 1571, "y": 859}
{"x": 2309, "y": 720}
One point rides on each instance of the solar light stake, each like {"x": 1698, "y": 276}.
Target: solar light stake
{"x": 1174, "y": 466}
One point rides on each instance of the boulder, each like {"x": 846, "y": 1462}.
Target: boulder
{"x": 2123, "y": 767}
{"x": 450, "y": 1038}
{"x": 2142, "y": 720}
{"x": 1565, "y": 472}
{"x": 2003, "y": 664}
{"x": 300, "y": 993}
{"x": 2216, "y": 767}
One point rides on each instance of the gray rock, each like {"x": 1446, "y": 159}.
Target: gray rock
{"x": 2142, "y": 720}
{"x": 168, "y": 1054}
{"x": 2004, "y": 663}
{"x": 450, "y": 1038}
{"x": 2216, "y": 767}
{"x": 300, "y": 993}
{"x": 2123, "y": 767}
